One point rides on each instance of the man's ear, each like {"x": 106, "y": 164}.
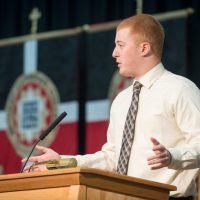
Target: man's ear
{"x": 145, "y": 48}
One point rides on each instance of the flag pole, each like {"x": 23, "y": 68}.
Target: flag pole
{"x": 160, "y": 16}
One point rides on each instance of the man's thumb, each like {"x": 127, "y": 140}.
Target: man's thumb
{"x": 154, "y": 141}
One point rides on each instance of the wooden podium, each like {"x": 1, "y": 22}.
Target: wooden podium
{"x": 80, "y": 184}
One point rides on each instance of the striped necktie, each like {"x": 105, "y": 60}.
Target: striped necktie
{"x": 129, "y": 129}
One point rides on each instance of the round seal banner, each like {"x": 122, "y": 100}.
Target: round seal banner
{"x": 31, "y": 106}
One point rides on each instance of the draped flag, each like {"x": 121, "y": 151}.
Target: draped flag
{"x": 39, "y": 80}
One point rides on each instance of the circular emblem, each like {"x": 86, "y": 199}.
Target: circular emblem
{"x": 118, "y": 83}
{"x": 31, "y": 107}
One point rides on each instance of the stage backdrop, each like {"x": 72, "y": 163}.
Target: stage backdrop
{"x": 73, "y": 70}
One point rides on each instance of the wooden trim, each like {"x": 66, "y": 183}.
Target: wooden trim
{"x": 91, "y": 178}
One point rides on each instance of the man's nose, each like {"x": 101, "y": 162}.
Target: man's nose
{"x": 114, "y": 54}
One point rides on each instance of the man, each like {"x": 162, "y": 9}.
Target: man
{"x": 168, "y": 113}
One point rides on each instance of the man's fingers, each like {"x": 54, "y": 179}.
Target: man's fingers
{"x": 158, "y": 156}
{"x": 151, "y": 158}
{"x": 42, "y": 149}
{"x": 159, "y": 148}
{"x": 34, "y": 159}
{"x": 159, "y": 166}
{"x": 35, "y": 168}
{"x": 31, "y": 159}
{"x": 164, "y": 160}
{"x": 159, "y": 161}
{"x": 161, "y": 157}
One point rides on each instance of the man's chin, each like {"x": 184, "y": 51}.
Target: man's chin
{"x": 124, "y": 74}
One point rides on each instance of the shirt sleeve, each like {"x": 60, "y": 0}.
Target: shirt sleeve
{"x": 186, "y": 157}
{"x": 187, "y": 115}
{"x": 103, "y": 159}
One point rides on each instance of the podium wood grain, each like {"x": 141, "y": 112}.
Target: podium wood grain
{"x": 80, "y": 184}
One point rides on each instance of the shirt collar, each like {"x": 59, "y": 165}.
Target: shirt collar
{"x": 148, "y": 79}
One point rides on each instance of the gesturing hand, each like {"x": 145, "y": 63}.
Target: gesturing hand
{"x": 45, "y": 154}
{"x": 161, "y": 157}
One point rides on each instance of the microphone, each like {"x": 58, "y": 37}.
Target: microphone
{"x": 44, "y": 134}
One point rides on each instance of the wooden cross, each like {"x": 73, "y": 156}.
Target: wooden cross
{"x": 34, "y": 16}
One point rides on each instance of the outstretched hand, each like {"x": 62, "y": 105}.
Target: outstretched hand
{"x": 161, "y": 157}
{"x": 45, "y": 154}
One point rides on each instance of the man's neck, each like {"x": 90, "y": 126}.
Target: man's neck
{"x": 146, "y": 67}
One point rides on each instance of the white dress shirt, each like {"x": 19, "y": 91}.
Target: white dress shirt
{"x": 169, "y": 110}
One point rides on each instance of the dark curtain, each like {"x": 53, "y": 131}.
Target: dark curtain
{"x": 59, "y": 14}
